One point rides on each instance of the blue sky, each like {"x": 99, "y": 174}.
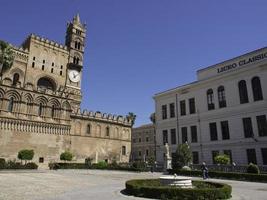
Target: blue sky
{"x": 136, "y": 48}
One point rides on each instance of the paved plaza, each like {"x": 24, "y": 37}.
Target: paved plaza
{"x": 92, "y": 184}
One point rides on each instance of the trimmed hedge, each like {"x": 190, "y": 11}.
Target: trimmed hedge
{"x": 16, "y": 165}
{"x": 224, "y": 175}
{"x": 67, "y": 166}
{"x": 56, "y": 166}
{"x": 151, "y": 188}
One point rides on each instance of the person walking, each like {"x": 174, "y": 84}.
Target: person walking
{"x": 204, "y": 169}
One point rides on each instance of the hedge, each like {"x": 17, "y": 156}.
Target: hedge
{"x": 93, "y": 166}
{"x": 16, "y": 165}
{"x": 225, "y": 175}
{"x": 151, "y": 188}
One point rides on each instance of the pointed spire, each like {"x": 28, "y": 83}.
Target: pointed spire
{"x": 76, "y": 19}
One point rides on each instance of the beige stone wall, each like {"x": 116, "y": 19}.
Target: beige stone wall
{"x": 104, "y": 141}
{"x": 54, "y": 57}
{"x": 48, "y": 146}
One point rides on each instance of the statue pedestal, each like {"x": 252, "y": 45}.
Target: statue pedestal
{"x": 168, "y": 164}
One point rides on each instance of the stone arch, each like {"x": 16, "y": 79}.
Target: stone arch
{"x": 128, "y": 135}
{"x": 17, "y": 70}
{"x": 14, "y": 94}
{"x": 123, "y": 134}
{"x": 107, "y": 131}
{"x": 13, "y": 99}
{"x": 66, "y": 105}
{"x": 28, "y": 99}
{"x": 116, "y": 132}
{"x": 2, "y": 93}
{"x": 98, "y": 130}
{"x": 54, "y": 101}
{"x": 54, "y": 107}
{"x": 16, "y": 78}
{"x": 41, "y": 103}
{"x": 46, "y": 82}
{"x": 41, "y": 99}
{"x": 88, "y": 128}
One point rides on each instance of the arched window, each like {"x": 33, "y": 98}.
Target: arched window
{"x": 210, "y": 99}
{"x": 77, "y": 61}
{"x": 76, "y": 44}
{"x": 53, "y": 111}
{"x": 98, "y": 130}
{"x": 10, "y": 105}
{"x": 15, "y": 79}
{"x": 74, "y": 60}
{"x": 243, "y": 93}
{"x": 221, "y": 97}
{"x": 46, "y": 83}
{"x": 88, "y": 129}
{"x": 79, "y": 45}
{"x": 107, "y": 131}
{"x": 40, "y": 109}
{"x": 123, "y": 150}
{"x": 256, "y": 88}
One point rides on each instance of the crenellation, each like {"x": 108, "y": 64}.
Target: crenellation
{"x": 48, "y": 42}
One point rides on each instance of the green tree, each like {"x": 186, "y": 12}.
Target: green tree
{"x": 222, "y": 159}
{"x": 66, "y": 156}
{"x": 182, "y": 157}
{"x": 25, "y": 154}
{"x": 6, "y": 56}
{"x": 131, "y": 116}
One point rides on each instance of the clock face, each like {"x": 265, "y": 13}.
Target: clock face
{"x": 74, "y": 76}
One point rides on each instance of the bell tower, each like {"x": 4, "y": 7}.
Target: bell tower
{"x": 75, "y": 41}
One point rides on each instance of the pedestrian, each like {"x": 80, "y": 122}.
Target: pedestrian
{"x": 204, "y": 169}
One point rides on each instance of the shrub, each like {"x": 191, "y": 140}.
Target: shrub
{"x": 253, "y": 169}
{"x": 182, "y": 157}
{"x": 100, "y": 165}
{"x": 31, "y": 165}
{"x": 88, "y": 161}
{"x": 222, "y": 159}
{"x": 151, "y": 188}
{"x": 12, "y": 164}
{"x": 53, "y": 165}
{"x": 2, "y": 163}
{"x": 139, "y": 165}
{"x": 66, "y": 156}
{"x": 25, "y": 154}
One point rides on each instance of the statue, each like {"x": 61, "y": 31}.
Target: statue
{"x": 168, "y": 163}
{"x": 167, "y": 150}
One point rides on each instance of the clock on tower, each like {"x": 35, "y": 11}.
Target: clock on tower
{"x": 75, "y": 41}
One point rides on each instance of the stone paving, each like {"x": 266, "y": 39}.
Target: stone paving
{"x": 93, "y": 184}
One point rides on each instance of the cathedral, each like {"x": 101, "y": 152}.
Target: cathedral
{"x": 40, "y": 97}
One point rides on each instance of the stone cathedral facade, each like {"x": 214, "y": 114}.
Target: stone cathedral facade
{"x": 40, "y": 97}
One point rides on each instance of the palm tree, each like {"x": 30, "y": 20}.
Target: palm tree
{"x": 153, "y": 118}
{"x": 6, "y": 56}
{"x": 131, "y": 116}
